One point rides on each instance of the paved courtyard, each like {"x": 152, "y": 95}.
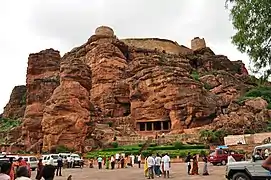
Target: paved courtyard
{"x": 178, "y": 171}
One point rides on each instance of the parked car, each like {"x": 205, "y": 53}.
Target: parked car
{"x": 78, "y": 161}
{"x": 32, "y": 161}
{"x": 220, "y": 156}
{"x": 46, "y": 158}
{"x": 251, "y": 169}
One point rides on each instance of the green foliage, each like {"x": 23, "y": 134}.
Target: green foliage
{"x": 63, "y": 149}
{"x": 207, "y": 86}
{"x": 110, "y": 124}
{"x": 114, "y": 144}
{"x": 195, "y": 75}
{"x": 172, "y": 153}
{"x": 7, "y": 124}
{"x": 178, "y": 145}
{"x": 251, "y": 19}
{"x": 259, "y": 91}
{"x": 210, "y": 136}
{"x": 23, "y": 100}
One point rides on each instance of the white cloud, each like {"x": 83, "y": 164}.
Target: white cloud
{"x": 32, "y": 25}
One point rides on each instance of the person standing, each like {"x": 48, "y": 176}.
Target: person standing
{"x": 69, "y": 161}
{"x": 22, "y": 173}
{"x": 112, "y": 161}
{"x": 205, "y": 168}
{"x": 5, "y": 170}
{"x": 195, "y": 168}
{"x": 107, "y": 163}
{"x": 151, "y": 163}
{"x": 72, "y": 162}
{"x": 48, "y": 171}
{"x": 117, "y": 159}
{"x": 139, "y": 160}
{"x": 157, "y": 165}
{"x": 188, "y": 162}
{"x": 39, "y": 169}
{"x": 12, "y": 169}
{"x": 166, "y": 165}
{"x": 100, "y": 161}
{"x": 146, "y": 167}
{"x": 59, "y": 166}
{"x": 132, "y": 160}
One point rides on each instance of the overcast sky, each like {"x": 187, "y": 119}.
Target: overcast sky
{"x": 29, "y": 26}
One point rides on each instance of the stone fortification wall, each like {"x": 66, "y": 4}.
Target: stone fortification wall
{"x": 198, "y": 43}
{"x": 158, "y": 44}
{"x": 257, "y": 138}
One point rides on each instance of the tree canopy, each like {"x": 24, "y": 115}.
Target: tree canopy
{"x": 252, "y": 21}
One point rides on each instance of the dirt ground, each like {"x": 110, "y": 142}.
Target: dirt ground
{"x": 178, "y": 171}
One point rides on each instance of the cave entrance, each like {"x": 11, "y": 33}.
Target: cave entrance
{"x": 154, "y": 126}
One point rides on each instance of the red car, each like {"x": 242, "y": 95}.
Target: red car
{"x": 220, "y": 156}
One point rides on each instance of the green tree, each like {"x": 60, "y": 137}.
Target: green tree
{"x": 252, "y": 20}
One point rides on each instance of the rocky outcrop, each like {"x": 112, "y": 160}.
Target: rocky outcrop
{"x": 67, "y": 112}
{"x": 42, "y": 79}
{"x": 251, "y": 117}
{"x": 126, "y": 82}
{"x": 16, "y": 105}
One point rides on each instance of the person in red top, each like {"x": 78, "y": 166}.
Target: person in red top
{"x": 12, "y": 171}
{"x": 22, "y": 162}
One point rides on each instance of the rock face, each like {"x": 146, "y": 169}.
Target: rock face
{"x": 109, "y": 88}
{"x": 251, "y": 117}
{"x": 42, "y": 79}
{"x": 16, "y": 105}
{"x": 67, "y": 112}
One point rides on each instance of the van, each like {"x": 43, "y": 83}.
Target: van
{"x": 32, "y": 161}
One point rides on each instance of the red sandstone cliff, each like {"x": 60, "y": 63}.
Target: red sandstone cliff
{"x": 41, "y": 80}
{"x": 16, "y": 105}
{"x": 127, "y": 82}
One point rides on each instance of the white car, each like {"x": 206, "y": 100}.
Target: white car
{"x": 78, "y": 161}
{"x": 46, "y": 158}
{"x": 248, "y": 170}
{"x": 32, "y": 161}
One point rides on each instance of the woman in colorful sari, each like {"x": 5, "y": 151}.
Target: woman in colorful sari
{"x": 146, "y": 167}
{"x": 195, "y": 168}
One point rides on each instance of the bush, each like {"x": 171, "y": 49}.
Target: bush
{"x": 178, "y": 145}
{"x": 259, "y": 91}
{"x": 7, "y": 124}
{"x": 110, "y": 124}
{"x": 114, "y": 144}
{"x": 195, "y": 75}
{"x": 63, "y": 149}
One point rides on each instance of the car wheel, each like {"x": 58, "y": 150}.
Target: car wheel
{"x": 223, "y": 162}
{"x": 240, "y": 176}
{"x": 33, "y": 169}
{"x": 214, "y": 164}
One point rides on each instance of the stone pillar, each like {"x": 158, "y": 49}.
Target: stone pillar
{"x": 145, "y": 127}
{"x": 152, "y": 126}
{"x": 168, "y": 125}
{"x": 197, "y": 43}
{"x": 162, "y": 125}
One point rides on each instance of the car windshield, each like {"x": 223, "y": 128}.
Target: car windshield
{"x": 54, "y": 156}
{"x": 75, "y": 156}
{"x": 212, "y": 154}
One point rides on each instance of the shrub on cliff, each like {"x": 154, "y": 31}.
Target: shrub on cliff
{"x": 259, "y": 91}
{"x": 63, "y": 149}
{"x": 7, "y": 124}
{"x": 114, "y": 144}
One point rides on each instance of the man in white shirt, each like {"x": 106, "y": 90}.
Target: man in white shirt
{"x": 112, "y": 161}
{"x": 139, "y": 160}
{"x": 166, "y": 165}
{"x": 150, "y": 163}
{"x": 157, "y": 165}
{"x": 69, "y": 161}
